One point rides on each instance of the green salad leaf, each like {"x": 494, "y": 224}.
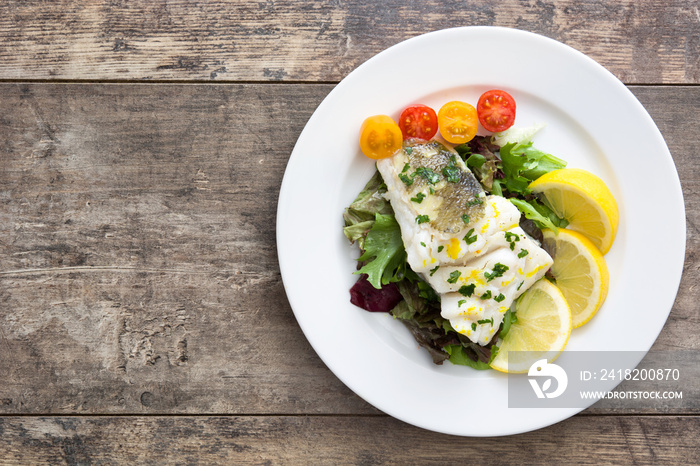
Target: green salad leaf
{"x": 508, "y": 319}
{"x": 523, "y": 163}
{"x": 358, "y": 231}
{"x": 384, "y": 254}
{"x": 529, "y": 211}
{"x": 539, "y": 213}
{"x": 516, "y": 134}
{"x": 458, "y": 355}
{"x": 479, "y": 155}
{"x": 421, "y": 303}
{"x": 359, "y": 216}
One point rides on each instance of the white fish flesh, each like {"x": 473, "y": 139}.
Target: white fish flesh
{"x": 467, "y": 245}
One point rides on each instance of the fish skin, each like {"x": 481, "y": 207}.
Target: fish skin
{"x": 453, "y": 198}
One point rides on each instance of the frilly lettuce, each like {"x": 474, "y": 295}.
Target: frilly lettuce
{"x": 516, "y": 134}
{"x": 384, "y": 254}
{"x": 523, "y": 164}
{"x": 539, "y": 213}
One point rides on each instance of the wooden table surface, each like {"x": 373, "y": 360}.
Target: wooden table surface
{"x": 142, "y": 146}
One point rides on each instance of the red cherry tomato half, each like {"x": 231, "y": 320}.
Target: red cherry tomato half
{"x": 418, "y": 121}
{"x": 496, "y": 110}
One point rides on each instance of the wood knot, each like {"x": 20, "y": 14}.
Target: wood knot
{"x": 147, "y": 398}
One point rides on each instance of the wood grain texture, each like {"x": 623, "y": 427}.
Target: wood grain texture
{"x": 138, "y": 261}
{"x": 646, "y": 41}
{"x": 138, "y": 269}
{"x": 338, "y": 440}
{"x": 143, "y": 319}
{"x": 682, "y": 136}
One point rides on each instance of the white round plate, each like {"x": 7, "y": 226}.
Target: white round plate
{"x": 593, "y": 122}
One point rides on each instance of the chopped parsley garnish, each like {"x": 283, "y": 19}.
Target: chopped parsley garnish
{"x": 475, "y": 201}
{"x": 460, "y": 302}
{"x": 522, "y": 253}
{"x": 440, "y": 248}
{"x": 432, "y": 271}
{"x": 465, "y": 218}
{"x": 423, "y": 244}
{"x": 408, "y": 181}
{"x": 473, "y": 326}
{"x": 499, "y": 298}
{"x": 468, "y": 238}
{"x": 451, "y": 172}
{"x": 467, "y": 290}
{"x": 425, "y": 172}
{"x": 485, "y": 321}
{"x": 429, "y": 175}
{"x": 409, "y": 150}
{"x": 521, "y": 284}
{"x": 432, "y": 191}
{"x": 512, "y": 238}
{"x": 419, "y": 198}
{"x": 422, "y": 219}
{"x": 454, "y": 276}
{"x": 486, "y": 295}
{"x": 498, "y": 271}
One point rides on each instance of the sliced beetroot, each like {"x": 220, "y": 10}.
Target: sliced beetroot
{"x": 364, "y": 295}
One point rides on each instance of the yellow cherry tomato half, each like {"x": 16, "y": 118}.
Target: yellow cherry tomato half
{"x": 458, "y": 122}
{"x": 380, "y": 137}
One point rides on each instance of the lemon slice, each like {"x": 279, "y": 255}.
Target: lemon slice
{"x": 580, "y": 272}
{"x": 541, "y": 331}
{"x": 584, "y": 201}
